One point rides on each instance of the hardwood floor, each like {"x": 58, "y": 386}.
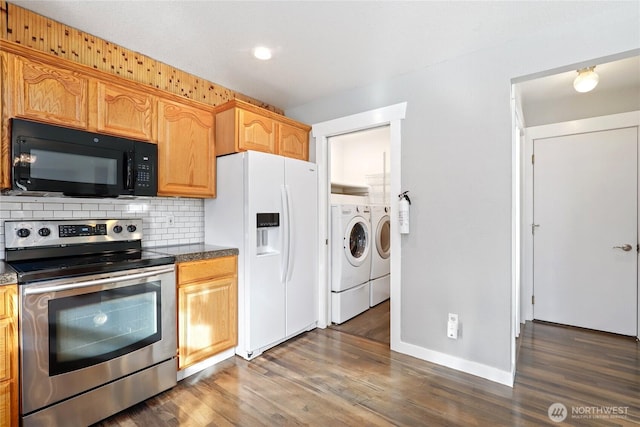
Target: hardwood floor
{"x": 373, "y": 324}
{"x": 331, "y": 378}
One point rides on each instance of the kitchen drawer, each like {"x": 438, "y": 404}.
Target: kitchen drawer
{"x": 206, "y": 269}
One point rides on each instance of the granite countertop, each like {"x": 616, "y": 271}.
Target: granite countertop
{"x": 195, "y": 252}
{"x": 182, "y": 253}
{"x": 7, "y": 274}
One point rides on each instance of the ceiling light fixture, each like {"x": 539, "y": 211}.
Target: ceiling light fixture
{"x": 262, "y": 53}
{"x": 586, "y": 80}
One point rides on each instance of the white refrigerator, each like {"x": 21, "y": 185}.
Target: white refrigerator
{"x": 266, "y": 206}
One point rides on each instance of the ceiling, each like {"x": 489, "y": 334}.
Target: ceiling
{"x": 623, "y": 74}
{"x": 320, "y": 47}
{"x": 551, "y": 98}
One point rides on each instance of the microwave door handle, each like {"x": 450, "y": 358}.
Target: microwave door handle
{"x": 129, "y": 185}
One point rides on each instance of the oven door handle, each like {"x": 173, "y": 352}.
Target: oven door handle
{"x": 56, "y": 288}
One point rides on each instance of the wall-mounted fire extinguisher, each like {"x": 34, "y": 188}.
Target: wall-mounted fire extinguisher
{"x": 403, "y": 212}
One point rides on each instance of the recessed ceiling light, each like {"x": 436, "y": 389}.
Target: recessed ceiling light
{"x": 261, "y": 52}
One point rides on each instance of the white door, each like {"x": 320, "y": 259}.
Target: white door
{"x": 266, "y": 311}
{"x": 301, "y": 181}
{"x": 585, "y": 209}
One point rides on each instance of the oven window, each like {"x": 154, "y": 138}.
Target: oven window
{"x": 88, "y": 329}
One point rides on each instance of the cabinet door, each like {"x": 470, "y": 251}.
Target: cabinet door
{"x": 8, "y": 357}
{"x": 186, "y": 158}
{"x": 5, "y": 113}
{"x": 46, "y": 93}
{"x": 256, "y": 132}
{"x": 207, "y": 319}
{"x": 293, "y": 142}
{"x": 124, "y": 112}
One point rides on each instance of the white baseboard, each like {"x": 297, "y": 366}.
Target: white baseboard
{"x": 463, "y": 365}
{"x": 200, "y": 366}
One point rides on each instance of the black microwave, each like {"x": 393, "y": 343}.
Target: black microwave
{"x": 54, "y": 159}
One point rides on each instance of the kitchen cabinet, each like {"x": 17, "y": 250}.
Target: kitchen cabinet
{"x": 55, "y": 94}
{"x": 293, "y": 142}
{"x": 241, "y": 126}
{"x": 122, "y": 111}
{"x": 241, "y": 130}
{"x": 39, "y": 87}
{"x": 48, "y": 93}
{"x": 186, "y": 156}
{"x": 207, "y": 308}
{"x": 8, "y": 356}
{"x": 5, "y": 134}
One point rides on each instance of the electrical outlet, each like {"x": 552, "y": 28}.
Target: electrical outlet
{"x": 171, "y": 220}
{"x": 452, "y": 326}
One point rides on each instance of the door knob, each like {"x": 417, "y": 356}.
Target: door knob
{"x": 625, "y": 248}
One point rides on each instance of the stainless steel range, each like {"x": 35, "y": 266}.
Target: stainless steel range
{"x": 97, "y": 318}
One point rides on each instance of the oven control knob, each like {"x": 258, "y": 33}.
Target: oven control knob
{"x": 117, "y": 229}
{"x": 23, "y": 232}
{"x": 131, "y": 228}
{"x": 44, "y": 232}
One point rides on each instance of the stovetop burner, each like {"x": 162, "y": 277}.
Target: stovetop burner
{"x": 58, "y": 268}
{"x": 76, "y": 247}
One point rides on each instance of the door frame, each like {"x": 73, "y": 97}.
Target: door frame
{"x": 392, "y": 116}
{"x": 594, "y": 124}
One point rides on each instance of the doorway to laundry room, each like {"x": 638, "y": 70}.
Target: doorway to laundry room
{"x": 360, "y": 248}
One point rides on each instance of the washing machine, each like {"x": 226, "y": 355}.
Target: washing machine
{"x": 350, "y": 260}
{"x": 380, "y": 277}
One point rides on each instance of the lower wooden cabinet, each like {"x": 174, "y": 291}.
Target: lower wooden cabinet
{"x": 8, "y": 356}
{"x": 207, "y": 308}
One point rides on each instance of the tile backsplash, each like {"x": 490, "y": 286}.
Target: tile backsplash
{"x": 156, "y": 212}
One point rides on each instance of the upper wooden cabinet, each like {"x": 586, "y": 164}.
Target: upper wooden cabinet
{"x": 123, "y": 111}
{"x": 293, "y": 142}
{"x": 55, "y": 94}
{"x": 48, "y": 89}
{"x": 241, "y": 130}
{"x": 186, "y": 156}
{"x": 51, "y": 94}
{"x": 241, "y": 126}
{"x": 8, "y": 356}
{"x": 5, "y": 133}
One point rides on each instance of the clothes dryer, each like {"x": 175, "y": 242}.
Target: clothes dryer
{"x": 350, "y": 261}
{"x": 380, "y": 278}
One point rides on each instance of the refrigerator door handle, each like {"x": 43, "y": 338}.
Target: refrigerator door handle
{"x": 284, "y": 268}
{"x": 290, "y": 236}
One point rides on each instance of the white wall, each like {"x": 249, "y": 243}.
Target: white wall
{"x": 358, "y": 154}
{"x": 592, "y": 104}
{"x": 456, "y": 161}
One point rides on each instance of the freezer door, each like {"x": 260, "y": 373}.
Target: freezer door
{"x": 302, "y": 263}
{"x": 264, "y": 287}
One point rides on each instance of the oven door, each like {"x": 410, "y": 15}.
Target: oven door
{"x": 82, "y": 333}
